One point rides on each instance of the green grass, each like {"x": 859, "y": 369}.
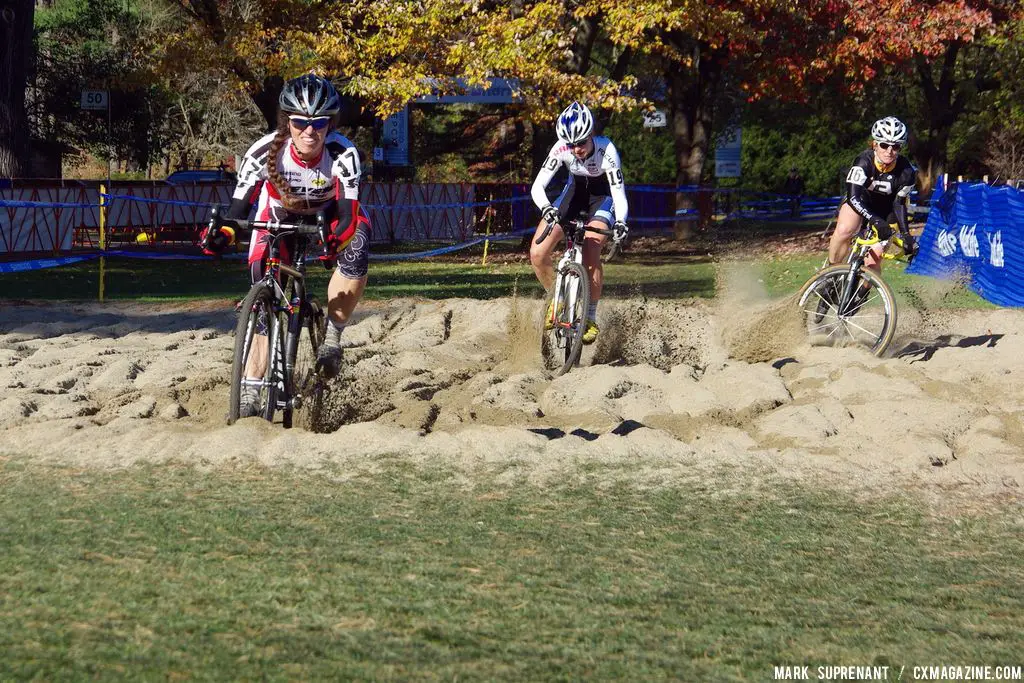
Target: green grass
{"x": 139, "y": 279}
{"x": 786, "y": 275}
{"x": 171, "y": 572}
{"x": 672, "y": 277}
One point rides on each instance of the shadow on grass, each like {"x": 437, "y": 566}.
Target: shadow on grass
{"x": 130, "y": 279}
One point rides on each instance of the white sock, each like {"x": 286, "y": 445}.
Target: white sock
{"x": 334, "y": 330}
{"x": 592, "y": 311}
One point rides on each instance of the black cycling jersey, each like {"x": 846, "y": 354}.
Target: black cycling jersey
{"x": 880, "y": 194}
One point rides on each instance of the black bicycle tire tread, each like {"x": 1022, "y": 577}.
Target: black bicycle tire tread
{"x": 575, "y": 347}
{"x": 875, "y": 280}
{"x": 241, "y": 328}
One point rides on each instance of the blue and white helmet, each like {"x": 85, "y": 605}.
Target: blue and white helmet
{"x": 575, "y": 123}
{"x": 890, "y": 130}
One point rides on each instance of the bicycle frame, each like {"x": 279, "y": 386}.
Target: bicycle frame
{"x": 282, "y": 334}
{"x": 573, "y": 254}
{"x": 858, "y": 255}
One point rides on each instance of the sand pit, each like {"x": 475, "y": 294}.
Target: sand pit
{"x": 673, "y": 390}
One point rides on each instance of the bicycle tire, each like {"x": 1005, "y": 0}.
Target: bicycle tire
{"x": 573, "y": 318}
{"x": 305, "y": 381}
{"x": 871, "y": 322}
{"x": 259, "y": 300}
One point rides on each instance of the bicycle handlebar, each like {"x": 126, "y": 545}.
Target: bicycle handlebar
{"x": 274, "y": 227}
{"x": 577, "y": 224}
{"x": 873, "y": 238}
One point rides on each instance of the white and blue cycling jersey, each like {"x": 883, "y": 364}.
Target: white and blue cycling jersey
{"x": 597, "y": 176}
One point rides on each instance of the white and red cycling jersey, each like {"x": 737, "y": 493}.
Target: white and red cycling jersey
{"x": 331, "y": 182}
{"x": 600, "y": 174}
{"x": 334, "y": 177}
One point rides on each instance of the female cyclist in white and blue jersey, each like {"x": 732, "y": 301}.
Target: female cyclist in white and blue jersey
{"x": 595, "y": 187}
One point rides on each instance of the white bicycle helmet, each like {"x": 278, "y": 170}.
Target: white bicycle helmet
{"x": 890, "y": 130}
{"x": 309, "y": 95}
{"x": 574, "y": 124}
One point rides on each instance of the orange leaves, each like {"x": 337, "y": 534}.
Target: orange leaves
{"x": 898, "y": 29}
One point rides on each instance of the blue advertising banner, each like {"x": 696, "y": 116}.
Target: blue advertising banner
{"x": 976, "y": 231}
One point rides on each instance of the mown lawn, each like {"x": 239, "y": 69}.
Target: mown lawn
{"x": 144, "y": 280}
{"x": 247, "y": 573}
{"x": 139, "y": 279}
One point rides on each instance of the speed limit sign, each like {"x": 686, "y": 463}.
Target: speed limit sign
{"x": 94, "y": 99}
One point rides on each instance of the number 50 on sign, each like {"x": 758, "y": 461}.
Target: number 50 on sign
{"x": 94, "y": 99}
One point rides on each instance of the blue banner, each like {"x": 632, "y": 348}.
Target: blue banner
{"x": 41, "y": 263}
{"x": 976, "y": 231}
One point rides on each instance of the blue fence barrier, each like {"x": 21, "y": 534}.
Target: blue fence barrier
{"x": 975, "y": 231}
{"x": 732, "y": 203}
{"x": 40, "y": 264}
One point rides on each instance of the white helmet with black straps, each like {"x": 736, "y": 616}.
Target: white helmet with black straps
{"x": 309, "y": 95}
{"x": 890, "y": 130}
{"x": 575, "y": 123}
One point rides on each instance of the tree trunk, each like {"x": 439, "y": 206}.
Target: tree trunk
{"x": 943, "y": 106}
{"x": 691, "y": 97}
{"x": 15, "y": 48}
{"x": 577, "y": 63}
{"x": 266, "y": 99}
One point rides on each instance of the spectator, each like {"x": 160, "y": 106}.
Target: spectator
{"x": 794, "y": 188}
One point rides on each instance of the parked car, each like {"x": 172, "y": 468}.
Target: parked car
{"x": 201, "y": 175}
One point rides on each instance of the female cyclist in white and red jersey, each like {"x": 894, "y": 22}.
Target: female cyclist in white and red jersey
{"x": 302, "y": 168}
{"x": 595, "y": 187}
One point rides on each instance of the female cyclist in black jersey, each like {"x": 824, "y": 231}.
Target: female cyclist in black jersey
{"x": 877, "y": 188}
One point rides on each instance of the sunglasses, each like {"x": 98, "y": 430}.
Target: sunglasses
{"x": 890, "y": 145}
{"x": 577, "y": 145}
{"x": 318, "y": 123}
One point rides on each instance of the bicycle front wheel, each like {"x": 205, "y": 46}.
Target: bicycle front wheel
{"x": 836, "y": 314}
{"x": 305, "y": 383}
{"x": 571, "y": 319}
{"x": 254, "y": 390}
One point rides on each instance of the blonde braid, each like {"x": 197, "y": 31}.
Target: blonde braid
{"x": 281, "y": 136}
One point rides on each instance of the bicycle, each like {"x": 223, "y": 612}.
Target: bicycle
{"x": 570, "y": 300}
{"x": 847, "y": 303}
{"x": 291, "y": 323}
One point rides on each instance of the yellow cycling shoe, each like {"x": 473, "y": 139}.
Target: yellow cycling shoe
{"x": 549, "y": 317}
{"x": 590, "y": 333}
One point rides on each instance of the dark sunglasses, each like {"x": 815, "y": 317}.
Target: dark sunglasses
{"x": 318, "y": 123}
{"x": 890, "y": 145}
{"x": 577, "y": 145}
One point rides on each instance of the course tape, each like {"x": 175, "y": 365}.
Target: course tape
{"x": 767, "y": 200}
{"x": 150, "y": 200}
{"x": 40, "y": 264}
{"x": 44, "y": 205}
{"x": 455, "y": 247}
{"x": 400, "y": 207}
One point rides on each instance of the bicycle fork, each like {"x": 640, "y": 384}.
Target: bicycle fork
{"x": 850, "y": 287}
{"x": 561, "y": 303}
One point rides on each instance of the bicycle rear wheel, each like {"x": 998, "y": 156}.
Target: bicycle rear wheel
{"x": 306, "y": 386}
{"x": 865, "y": 318}
{"x": 565, "y": 341}
{"x": 257, "y": 341}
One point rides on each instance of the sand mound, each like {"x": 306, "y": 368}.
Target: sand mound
{"x": 672, "y": 390}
